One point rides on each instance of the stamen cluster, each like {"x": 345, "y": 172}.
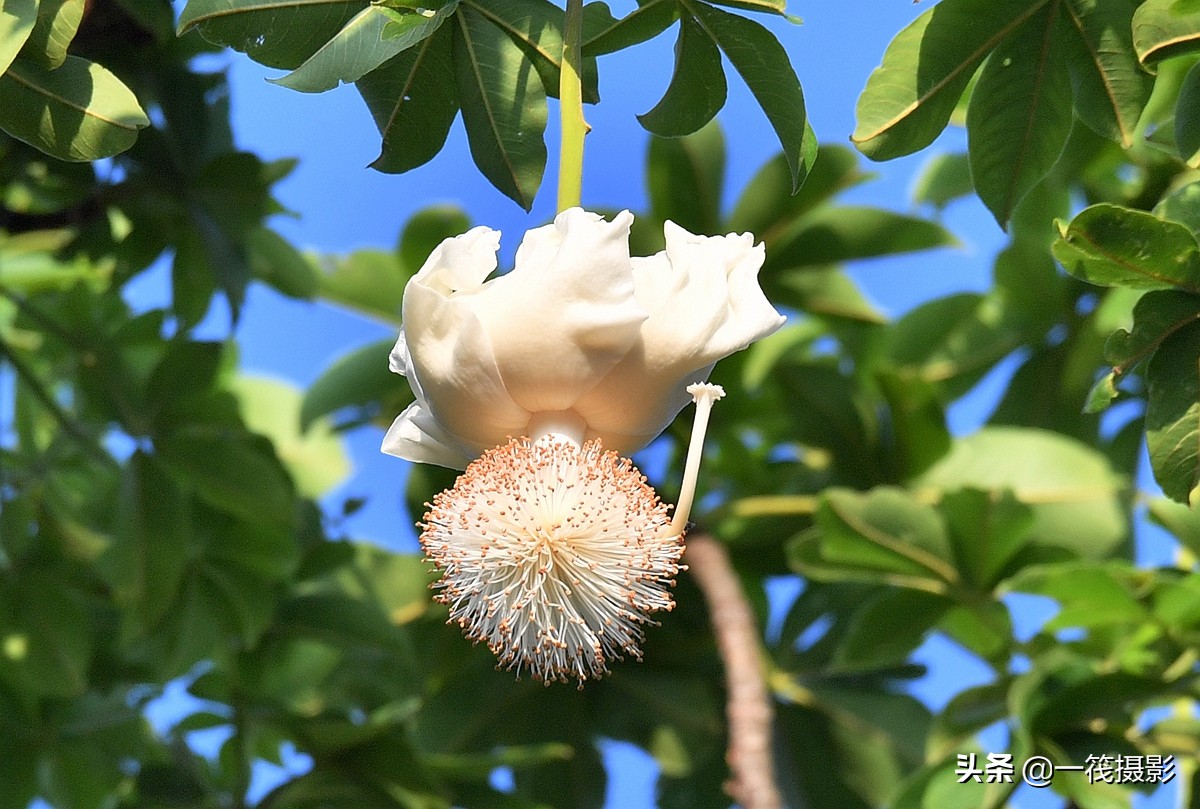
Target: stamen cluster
{"x": 554, "y": 555}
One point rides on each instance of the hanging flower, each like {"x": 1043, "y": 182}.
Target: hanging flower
{"x": 553, "y": 548}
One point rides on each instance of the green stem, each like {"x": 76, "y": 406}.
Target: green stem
{"x": 570, "y": 94}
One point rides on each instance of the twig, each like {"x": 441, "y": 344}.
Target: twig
{"x": 748, "y": 709}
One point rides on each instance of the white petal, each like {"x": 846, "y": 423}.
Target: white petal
{"x": 704, "y": 302}
{"x": 416, "y": 436}
{"x": 566, "y": 314}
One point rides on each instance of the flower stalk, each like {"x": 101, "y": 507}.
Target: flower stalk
{"x": 570, "y": 96}
{"x": 704, "y": 394}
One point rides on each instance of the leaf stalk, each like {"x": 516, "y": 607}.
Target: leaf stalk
{"x": 570, "y": 94}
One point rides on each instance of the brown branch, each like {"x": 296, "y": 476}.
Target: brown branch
{"x": 748, "y": 708}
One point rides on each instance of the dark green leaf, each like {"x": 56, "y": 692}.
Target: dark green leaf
{"x": 885, "y": 630}
{"x": 1173, "y": 413}
{"x": 1187, "y": 115}
{"x": 909, "y": 98}
{"x": 645, "y": 22}
{"x": 697, "y": 89}
{"x": 685, "y": 177}
{"x": 57, "y": 22}
{"x": 48, "y": 636}
{"x": 237, "y": 474}
{"x": 1156, "y": 316}
{"x": 1111, "y": 89}
{"x": 79, "y": 111}
{"x": 503, "y": 105}
{"x": 835, "y": 234}
{"x": 17, "y": 19}
{"x": 970, "y": 710}
{"x": 1020, "y": 114}
{"x": 1116, "y": 246}
{"x": 359, "y": 379}
{"x": 276, "y": 33}
{"x": 372, "y": 37}
{"x": 152, "y": 544}
{"x": 413, "y": 101}
{"x": 274, "y": 261}
{"x": 1165, "y": 28}
{"x": 764, "y": 65}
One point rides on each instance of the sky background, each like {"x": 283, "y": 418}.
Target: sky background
{"x": 341, "y": 205}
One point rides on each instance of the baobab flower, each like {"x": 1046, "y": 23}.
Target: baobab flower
{"x": 553, "y": 548}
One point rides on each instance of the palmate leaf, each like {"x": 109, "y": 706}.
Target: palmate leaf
{"x": 909, "y": 98}
{"x": 276, "y": 33}
{"x": 697, "y": 89}
{"x": 1020, "y": 114}
{"x": 79, "y": 111}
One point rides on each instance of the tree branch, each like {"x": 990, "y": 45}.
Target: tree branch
{"x": 748, "y": 710}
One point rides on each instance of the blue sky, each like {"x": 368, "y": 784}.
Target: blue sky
{"x": 341, "y": 205}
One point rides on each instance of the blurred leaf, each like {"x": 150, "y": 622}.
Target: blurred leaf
{"x": 276, "y": 33}
{"x": 1089, "y": 594}
{"x": 413, "y": 102}
{"x": 882, "y": 536}
{"x": 1074, "y": 494}
{"x": 831, "y": 235}
{"x": 1101, "y": 394}
{"x": 78, "y": 111}
{"x": 360, "y": 379}
{"x": 315, "y": 458}
{"x": 685, "y": 177}
{"x": 1111, "y": 88}
{"x": 47, "y": 637}
{"x": 1173, "y": 413}
{"x": 1020, "y": 114}
{"x": 1187, "y": 116}
{"x": 17, "y": 20}
{"x": 765, "y": 67}
{"x": 237, "y": 474}
{"x": 273, "y": 260}
{"x": 1112, "y": 245}
{"x": 885, "y": 630}
{"x": 427, "y": 229}
{"x": 909, "y": 98}
{"x": 697, "y": 89}
{"x": 57, "y": 22}
{"x": 944, "y": 178}
{"x": 1180, "y": 519}
{"x": 370, "y": 38}
{"x": 1182, "y": 205}
{"x": 371, "y": 281}
{"x": 152, "y": 543}
{"x": 970, "y": 711}
{"x": 988, "y": 529}
{"x": 939, "y": 784}
{"x": 1165, "y": 28}
{"x": 503, "y": 105}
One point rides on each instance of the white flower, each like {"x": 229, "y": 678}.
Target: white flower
{"x": 553, "y": 548}
{"x": 579, "y": 338}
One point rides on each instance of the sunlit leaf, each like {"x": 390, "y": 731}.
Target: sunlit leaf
{"x": 1117, "y": 246}
{"x": 1165, "y": 28}
{"x": 17, "y": 19}
{"x": 58, "y": 20}
{"x": 697, "y": 89}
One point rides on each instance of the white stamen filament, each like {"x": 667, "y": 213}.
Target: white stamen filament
{"x": 703, "y": 394}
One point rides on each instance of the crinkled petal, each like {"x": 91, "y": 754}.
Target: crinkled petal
{"x": 416, "y": 436}
{"x": 704, "y": 302}
{"x": 566, "y": 314}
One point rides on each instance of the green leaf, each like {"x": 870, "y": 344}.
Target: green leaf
{"x": 1111, "y": 89}
{"x": 1173, "y": 413}
{"x": 988, "y": 529}
{"x": 971, "y": 710}
{"x": 1187, "y": 116}
{"x": 372, "y": 37}
{"x": 1112, "y": 245}
{"x": 764, "y": 65}
{"x": 152, "y": 543}
{"x": 645, "y": 22}
{"x": 1102, "y": 394}
{"x": 413, "y": 100}
{"x": 276, "y": 33}
{"x": 1156, "y": 316}
{"x": 685, "y": 178}
{"x": 1020, "y": 114}
{"x": 1076, "y": 498}
{"x": 369, "y": 281}
{"x": 697, "y": 89}
{"x": 1182, "y": 205}
{"x": 1089, "y": 594}
{"x": 884, "y": 536}
{"x": 503, "y": 105}
{"x": 1180, "y": 519}
{"x": 47, "y": 636}
{"x": 360, "y": 379}
{"x": 236, "y": 474}
{"x": 885, "y": 630}
{"x": 274, "y": 261}
{"x": 832, "y": 235}
{"x": 910, "y": 96}
{"x": 57, "y": 22}
{"x": 315, "y": 457}
{"x": 79, "y": 111}
{"x": 17, "y": 19}
{"x": 1165, "y": 28}
{"x": 944, "y": 178}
